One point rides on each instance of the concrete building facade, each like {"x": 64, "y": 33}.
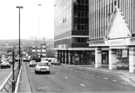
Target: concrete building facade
{"x": 71, "y": 31}
{"x": 112, "y": 32}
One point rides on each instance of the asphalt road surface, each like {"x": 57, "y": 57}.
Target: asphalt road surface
{"x": 76, "y": 79}
{"x": 4, "y": 73}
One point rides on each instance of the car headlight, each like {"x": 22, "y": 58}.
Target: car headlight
{"x": 37, "y": 69}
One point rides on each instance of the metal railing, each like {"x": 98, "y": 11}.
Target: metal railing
{"x": 10, "y": 83}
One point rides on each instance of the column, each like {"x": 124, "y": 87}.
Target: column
{"x": 60, "y": 56}
{"x": 112, "y": 59}
{"x": 98, "y": 57}
{"x": 131, "y": 59}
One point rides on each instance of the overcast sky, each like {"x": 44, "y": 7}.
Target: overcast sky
{"x": 9, "y": 19}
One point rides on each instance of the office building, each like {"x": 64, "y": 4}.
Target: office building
{"x": 72, "y": 31}
{"x": 112, "y": 32}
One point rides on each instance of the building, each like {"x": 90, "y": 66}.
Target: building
{"x": 72, "y": 31}
{"x": 112, "y": 32}
{"x": 39, "y": 50}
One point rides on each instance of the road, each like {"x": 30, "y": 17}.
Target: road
{"x": 4, "y": 73}
{"x": 76, "y": 79}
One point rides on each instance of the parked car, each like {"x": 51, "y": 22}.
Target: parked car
{"x": 32, "y": 63}
{"x": 5, "y": 63}
{"x": 56, "y": 61}
{"x": 123, "y": 63}
{"x": 42, "y": 67}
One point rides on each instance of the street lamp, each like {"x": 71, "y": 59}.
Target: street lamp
{"x": 19, "y": 7}
{"x": 39, "y": 22}
{"x": 39, "y": 29}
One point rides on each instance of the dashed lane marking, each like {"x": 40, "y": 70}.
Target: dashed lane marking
{"x": 82, "y": 84}
{"x": 124, "y": 83}
{"x": 56, "y": 73}
{"x": 105, "y": 78}
{"x": 114, "y": 80}
{"x": 66, "y": 77}
{"x": 87, "y": 74}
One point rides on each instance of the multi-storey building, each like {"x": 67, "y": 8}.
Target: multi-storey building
{"x": 112, "y": 31}
{"x": 71, "y": 31}
{"x": 39, "y": 50}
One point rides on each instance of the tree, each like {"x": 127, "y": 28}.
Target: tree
{"x": 50, "y": 53}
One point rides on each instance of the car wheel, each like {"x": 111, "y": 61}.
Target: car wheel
{"x": 48, "y": 72}
{"x": 35, "y": 72}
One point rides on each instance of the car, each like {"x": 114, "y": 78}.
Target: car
{"x": 42, "y": 67}
{"x": 5, "y": 63}
{"x": 56, "y": 61}
{"x": 32, "y": 63}
{"x": 123, "y": 63}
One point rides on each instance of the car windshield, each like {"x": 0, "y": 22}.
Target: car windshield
{"x": 42, "y": 64}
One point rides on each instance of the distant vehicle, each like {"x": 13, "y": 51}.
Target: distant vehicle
{"x": 56, "y": 61}
{"x": 32, "y": 63}
{"x": 123, "y": 63}
{"x": 42, "y": 67}
{"x": 5, "y": 63}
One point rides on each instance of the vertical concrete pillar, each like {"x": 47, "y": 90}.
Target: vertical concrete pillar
{"x": 131, "y": 59}
{"x": 112, "y": 59}
{"x": 98, "y": 57}
{"x": 60, "y": 56}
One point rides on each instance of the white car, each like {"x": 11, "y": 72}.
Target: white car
{"x": 32, "y": 63}
{"x": 42, "y": 67}
{"x": 5, "y": 63}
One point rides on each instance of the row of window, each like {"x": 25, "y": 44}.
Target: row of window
{"x": 81, "y": 14}
{"x": 80, "y": 40}
{"x": 81, "y": 27}
{"x": 81, "y": 1}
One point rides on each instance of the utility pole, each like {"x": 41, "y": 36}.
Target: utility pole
{"x": 19, "y": 7}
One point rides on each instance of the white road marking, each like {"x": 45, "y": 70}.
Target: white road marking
{"x": 87, "y": 74}
{"x": 82, "y": 84}
{"x": 80, "y": 68}
{"x": 114, "y": 80}
{"x": 98, "y": 76}
{"x": 105, "y": 78}
{"x": 76, "y": 70}
{"x": 66, "y": 68}
{"x": 124, "y": 83}
{"x": 66, "y": 77}
{"x": 56, "y": 73}
{"x": 70, "y": 69}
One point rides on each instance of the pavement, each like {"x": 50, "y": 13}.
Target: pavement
{"x": 24, "y": 85}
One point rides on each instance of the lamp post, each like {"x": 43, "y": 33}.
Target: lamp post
{"x": 19, "y": 7}
{"x": 39, "y": 29}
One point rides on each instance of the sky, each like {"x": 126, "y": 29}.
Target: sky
{"x": 36, "y": 21}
